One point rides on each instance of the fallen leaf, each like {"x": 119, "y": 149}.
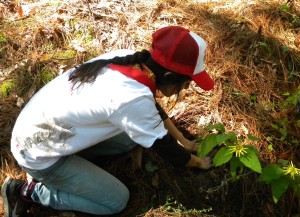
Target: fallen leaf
{"x": 20, "y": 11}
{"x": 20, "y": 102}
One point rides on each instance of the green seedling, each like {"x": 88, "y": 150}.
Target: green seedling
{"x": 237, "y": 152}
{"x": 281, "y": 177}
{"x": 174, "y": 207}
{"x": 240, "y": 154}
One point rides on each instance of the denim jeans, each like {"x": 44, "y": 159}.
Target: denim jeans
{"x": 74, "y": 183}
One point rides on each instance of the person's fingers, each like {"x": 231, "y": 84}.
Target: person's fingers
{"x": 207, "y": 163}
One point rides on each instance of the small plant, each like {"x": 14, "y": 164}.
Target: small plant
{"x": 281, "y": 176}
{"x": 295, "y": 21}
{"x": 291, "y": 99}
{"x": 281, "y": 127}
{"x": 238, "y": 152}
{"x": 46, "y": 75}
{"x": 6, "y": 87}
{"x": 288, "y": 13}
{"x": 173, "y": 206}
{"x": 285, "y": 8}
{"x": 265, "y": 46}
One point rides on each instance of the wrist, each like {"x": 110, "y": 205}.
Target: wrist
{"x": 194, "y": 162}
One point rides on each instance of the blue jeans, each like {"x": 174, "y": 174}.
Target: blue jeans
{"x": 74, "y": 183}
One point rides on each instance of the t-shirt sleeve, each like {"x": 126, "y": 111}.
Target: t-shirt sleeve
{"x": 140, "y": 119}
{"x": 171, "y": 151}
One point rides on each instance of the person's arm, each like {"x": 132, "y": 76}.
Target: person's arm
{"x": 201, "y": 163}
{"x": 172, "y": 129}
{"x": 175, "y": 154}
{"x": 186, "y": 143}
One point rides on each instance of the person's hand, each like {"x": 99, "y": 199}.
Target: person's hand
{"x": 201, "y": 163}
{"x": 189, "y": 145}
{"x": 206, "y": 163}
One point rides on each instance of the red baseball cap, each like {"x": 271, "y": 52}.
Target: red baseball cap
{"x": 181, "y": 51}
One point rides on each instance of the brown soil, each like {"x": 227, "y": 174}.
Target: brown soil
{"x": 180, "y": 192}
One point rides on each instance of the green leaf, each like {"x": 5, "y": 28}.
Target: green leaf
{"x": 286, "y": 94}
{"x": 232, "y": 136}
{"x": 150, "y": 167}
{"x": 222, "y": 156}
{"x": 252, "y": 138}
{"x": 270, "y": 147}
{"x": 253, "y": 148}
{"x": 278, "y": 187}
{"x": 264, "y": 45}
{"x": 285, "y": 48}
{"x": 285, "y": 7}
{"x": 219, "y": 127}
{"x": 207, "y": 144}
{"x": 296, "y": 187}
{"x": 270, "y": 173}
{"x": 253, "y": 98}
{"x": 251, "y": 160}
{"x": 221, "y": 138}
{"x": 235, "y": 163}
{"x": 229, "y": 143}
{"x": 283, "y": 162}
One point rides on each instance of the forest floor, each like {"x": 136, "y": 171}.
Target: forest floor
{"x": 253, "y": 55}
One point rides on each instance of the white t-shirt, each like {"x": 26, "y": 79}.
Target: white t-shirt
{"x": 60, "y": 121}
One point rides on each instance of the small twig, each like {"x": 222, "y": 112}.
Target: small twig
{"x": 177, "y": 186}
{"x": 224, "y": 182}
{"x": 99, "y": 15}
{"x": 88, "y": 5}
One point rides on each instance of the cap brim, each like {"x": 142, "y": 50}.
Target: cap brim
{"x": 203, "y": 80}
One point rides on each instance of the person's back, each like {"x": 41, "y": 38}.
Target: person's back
{"x": 62, "y": 120}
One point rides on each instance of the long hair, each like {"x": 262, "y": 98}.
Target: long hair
{"x": 88, "y": 72}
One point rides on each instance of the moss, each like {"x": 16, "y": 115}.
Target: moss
{"x": 84, "y": 37}
{"x": 3, "y": 39}
{"x": 46, "y": 75}
{"x": 6, "y": 87}
{"x": 66, "y": 55}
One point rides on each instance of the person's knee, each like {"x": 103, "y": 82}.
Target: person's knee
{"x": 121, "y": 202}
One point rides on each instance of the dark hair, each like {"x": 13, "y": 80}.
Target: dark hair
{"x": 88, "y": 72}
{"x": 165, "y": 76}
